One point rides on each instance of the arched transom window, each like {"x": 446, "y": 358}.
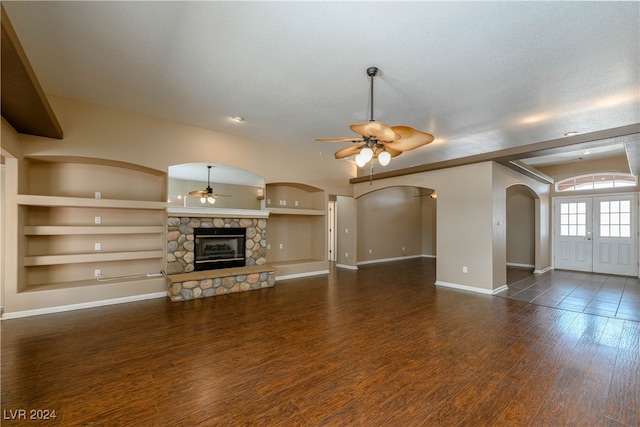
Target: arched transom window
{"x": 597, "y": 181}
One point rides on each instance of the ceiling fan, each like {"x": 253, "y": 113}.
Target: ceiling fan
{"x": 207, "y": 195}
{"x": 379, "y": 140}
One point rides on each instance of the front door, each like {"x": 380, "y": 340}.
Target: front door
{"x": 615, "y": 243}
{"x": 597, "y": 234}
{"x": 573, "y": 235}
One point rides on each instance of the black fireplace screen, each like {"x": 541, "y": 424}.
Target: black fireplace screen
{"x": 219, "y": 248}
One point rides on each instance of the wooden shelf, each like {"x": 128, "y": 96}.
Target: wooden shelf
{"x": 39, "y": 260}
{"x": 65, "y": 230}
{"x": 294, "y": 211}
{"x": 58, "y": 201}
{"x": 90, "y": 283}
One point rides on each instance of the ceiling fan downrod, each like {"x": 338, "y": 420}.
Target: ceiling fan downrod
{"x": 371, "y": 72}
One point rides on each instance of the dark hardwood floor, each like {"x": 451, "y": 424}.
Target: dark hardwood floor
{"x": 381, "y": 346}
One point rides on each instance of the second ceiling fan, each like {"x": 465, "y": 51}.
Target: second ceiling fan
{"x": 207, "y": 195}
{"x": 377, "y": 139}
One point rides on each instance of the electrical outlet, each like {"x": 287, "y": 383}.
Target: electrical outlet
{"x": 97, "y": 246}
{"x": 97, "y": 220}
{"x": 403, "y": 248}
{"x": 281, "y": 246}
{"x": 370, "y": 251}
{"x": 268, "y": 246}
{"x": 97, "y": 273}
{"x": 98, "y": 195}
{"x": 464, "y": 269}
{"x": 346, "y": 254}
{"x": 295, "y": 203}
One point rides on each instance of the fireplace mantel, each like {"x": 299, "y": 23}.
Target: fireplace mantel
{"x": 217, "y": 212}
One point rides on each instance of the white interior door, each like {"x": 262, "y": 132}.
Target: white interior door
{"x": 597, "y": 234}
{"x": 615, "y": 242}
{"x": 573, "y": 238}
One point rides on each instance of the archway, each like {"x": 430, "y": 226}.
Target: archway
{"x": 396, "y": 222}
{"x": 521, "y": 224}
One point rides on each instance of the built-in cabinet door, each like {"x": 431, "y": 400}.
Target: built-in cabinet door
{"x": 597, "y": 234}
{"x": 615, "y": 243}
{"x": 573, "y": 234}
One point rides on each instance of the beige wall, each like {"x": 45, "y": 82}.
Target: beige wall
{"x": 390, "y": 224}
{"x": 429, "y": 226}
{"x": 346, "y": 231}
{"x": 520, "y": 226}
{"x": 97, "y": 132}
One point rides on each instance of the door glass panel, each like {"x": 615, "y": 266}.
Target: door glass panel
{"x": 573, "y": 219}
{"x": 615, "y": 218}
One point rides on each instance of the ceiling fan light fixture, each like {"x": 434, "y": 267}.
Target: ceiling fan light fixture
{"x": 366, "y": 154}
{"x": 360, "y": 161}
{"x": 384, "y": 158}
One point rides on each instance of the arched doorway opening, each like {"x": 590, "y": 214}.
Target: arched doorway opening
{"x": 521, "y": 232}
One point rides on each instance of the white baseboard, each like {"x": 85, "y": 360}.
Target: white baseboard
{"x": 464, "y": 287}
{"x": 83, "y": 305}
{"x": 544, "y": 270}
{"x": 515, "y": 264}
{"x": 500, "y": 289}
{"x": 348, "y": 267}
{"x": 299, "y": 275}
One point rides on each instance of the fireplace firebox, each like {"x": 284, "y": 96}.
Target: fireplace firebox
{"x": 219, "y": 248}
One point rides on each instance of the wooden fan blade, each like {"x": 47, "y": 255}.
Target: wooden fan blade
{"x": 198, "y": 193}
{"x": 410, "y": 138}
{"x": 374, "y": 129}
{"x": 354, "y": 139}
{"x": 347, "y": 151}
{"x": 388, "y": 147}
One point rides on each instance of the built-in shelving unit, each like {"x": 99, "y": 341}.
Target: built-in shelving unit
{"x": 296, "y": 232}
{"x": 80, "y": 217}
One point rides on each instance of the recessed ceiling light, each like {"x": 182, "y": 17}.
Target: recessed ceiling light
{"x": 237, "y": 119}
{"x": 572, "y": 133}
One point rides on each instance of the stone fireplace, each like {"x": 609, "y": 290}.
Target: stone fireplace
{"x": 181, "y": 240}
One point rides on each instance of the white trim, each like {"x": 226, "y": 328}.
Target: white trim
{"x": 375, "y": 261}
{"x": 464, "y": 287}
{"x": 217, "y": 212}
{"x": 299, "y": 275}
{"x": 515, "y": 264}
{"x": 82, "y": 305}
{"x": 348, "y": 267}
{"x": 544, "y": 270}
{"x": 500, "y": 289}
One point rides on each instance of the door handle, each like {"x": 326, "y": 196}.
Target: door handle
{"x": 588, "y": 235}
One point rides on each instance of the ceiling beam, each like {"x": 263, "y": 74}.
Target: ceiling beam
{"x": 624, "y": 134}
{"x": 24, "y": 104}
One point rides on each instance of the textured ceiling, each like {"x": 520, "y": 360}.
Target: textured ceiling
{"x": 480, "y": 76}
